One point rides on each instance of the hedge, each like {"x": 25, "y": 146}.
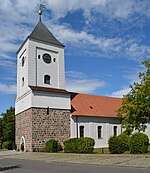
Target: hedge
{"x": 119, "y": 144}
{"x": 139, "y": 143}
{"x": 79, "y": 145}
{"x": 52, "y": 146}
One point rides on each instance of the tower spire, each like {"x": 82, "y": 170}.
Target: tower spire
{"x": 41, "y": 6}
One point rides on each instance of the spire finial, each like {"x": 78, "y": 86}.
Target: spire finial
{"x": 40, "y": 5}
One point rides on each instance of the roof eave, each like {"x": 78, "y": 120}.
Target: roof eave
{"x": 100, "y": 116}
{"x": 30, "y": 38}
{"x": 22, "y": 45}
{"x": 35, "y": 39}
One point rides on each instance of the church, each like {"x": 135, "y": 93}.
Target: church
{"x": 45, "y": 110}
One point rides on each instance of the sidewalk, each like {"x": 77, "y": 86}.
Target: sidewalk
{"x": 124, "y": 160}
{"x": 9, "y": 153}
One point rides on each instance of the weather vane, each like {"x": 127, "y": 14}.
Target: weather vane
{"x": 41, "y": 6}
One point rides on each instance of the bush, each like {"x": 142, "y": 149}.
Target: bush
{"x": 79, "y": 145}
{"x": 139, "y": 143}
{"x": 124, "y": 141}
{"x": 119, "y": 144}
{"x": 8, "y": 145}
{"x": 52, "y": 146}
{"x": 113, "y": 143}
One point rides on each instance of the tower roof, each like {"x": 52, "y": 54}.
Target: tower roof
{"x": 41, "y": 33}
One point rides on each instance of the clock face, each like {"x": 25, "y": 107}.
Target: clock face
{"x": 23, "y": 61}
{"x": 47, "y": 58}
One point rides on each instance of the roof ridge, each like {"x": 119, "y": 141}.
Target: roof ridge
{"x": 94, "y": 95}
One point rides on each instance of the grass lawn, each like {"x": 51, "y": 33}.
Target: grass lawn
{"x": 101, "y": 151}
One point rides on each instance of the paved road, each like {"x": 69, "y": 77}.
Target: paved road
{"x": 29, "y": 166}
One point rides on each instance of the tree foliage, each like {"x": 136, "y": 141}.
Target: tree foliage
{"x": 7, "y": 126}
{"x": 135, "y": 110}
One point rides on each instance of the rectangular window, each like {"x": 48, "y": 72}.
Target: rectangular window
{"x": 81, "y": 131}
{"x": 47, "y": 79}
{"x": 115, "y": 130}
{"x": 99, "y": 132}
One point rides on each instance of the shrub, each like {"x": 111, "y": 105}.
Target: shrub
{"x": 8, "y": 145}
{"x": 59, "y": 147}
{"x": 79, "y": 145}
{"x": 113, "y": 143}
{"x": 139, "y": 143}
{"x": 52, "y": 146}
{"x": 70, "y": 146}
{"x": 124, "y": 141}
{"x": 119, "y": 144}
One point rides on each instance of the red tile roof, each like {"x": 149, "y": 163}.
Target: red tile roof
{"x": 92, "y": 105}
{"x": 51, "y": 90}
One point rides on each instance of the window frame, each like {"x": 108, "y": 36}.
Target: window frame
{"x": 47, "y": 79}
{"x": 115, "y": 130}
{"x": 81, "y": 131}
{"x": 22, "y": 81}
{"x": 99, "y": 132}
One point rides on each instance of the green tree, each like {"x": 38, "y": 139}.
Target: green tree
{"x": 135, "y": 110}
{"x": 8, "y": 125}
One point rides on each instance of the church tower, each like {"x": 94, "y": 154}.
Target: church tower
{"x": 42, "y": 103}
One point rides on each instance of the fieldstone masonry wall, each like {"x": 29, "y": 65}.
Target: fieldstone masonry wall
{"x": 24, "y": 128}
{"x": 38, "y": 125}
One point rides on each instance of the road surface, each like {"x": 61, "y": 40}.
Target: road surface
{"x": 29, "y": 166}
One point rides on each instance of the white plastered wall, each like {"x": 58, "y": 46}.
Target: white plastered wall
{"x": 90, "y": 128}
{"x": 42, "y": 100}
{"x": 37, "y": 68}
{"x": 22, "y": 71}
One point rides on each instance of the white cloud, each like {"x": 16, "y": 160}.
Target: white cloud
{"x": 7, "y": 89}
{"x": 113, "y": 9}
{"x": 121, "y": 93}
{"x": 18, "y": 16}
{"x": 79, "y": 82}
{"x": 84, "y": 86}
{"x": 130, "y": 48}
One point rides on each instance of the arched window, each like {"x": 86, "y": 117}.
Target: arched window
{"x": 23, "y": 61}
{"x": 47, "y": 79}
{"x": 115, "y": 130}
{"x": 99, "y": 132}
{"x": 23, "y": 81}
{"x": 81, "y": 131}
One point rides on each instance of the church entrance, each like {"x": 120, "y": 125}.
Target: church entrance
{"x": 22, "y": 144}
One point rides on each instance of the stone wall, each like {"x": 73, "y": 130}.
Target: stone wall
{"x": 24, "y": 128}
{"x": 50, "y": 124}
{"x": 38, "y": 125}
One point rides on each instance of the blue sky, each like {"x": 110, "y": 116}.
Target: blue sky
{"x": 105, "y": 40}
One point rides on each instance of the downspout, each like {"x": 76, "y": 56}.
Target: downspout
{"x": 77, "y": 125}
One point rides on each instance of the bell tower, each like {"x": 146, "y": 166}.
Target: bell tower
{"x": 42, "y": 103}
